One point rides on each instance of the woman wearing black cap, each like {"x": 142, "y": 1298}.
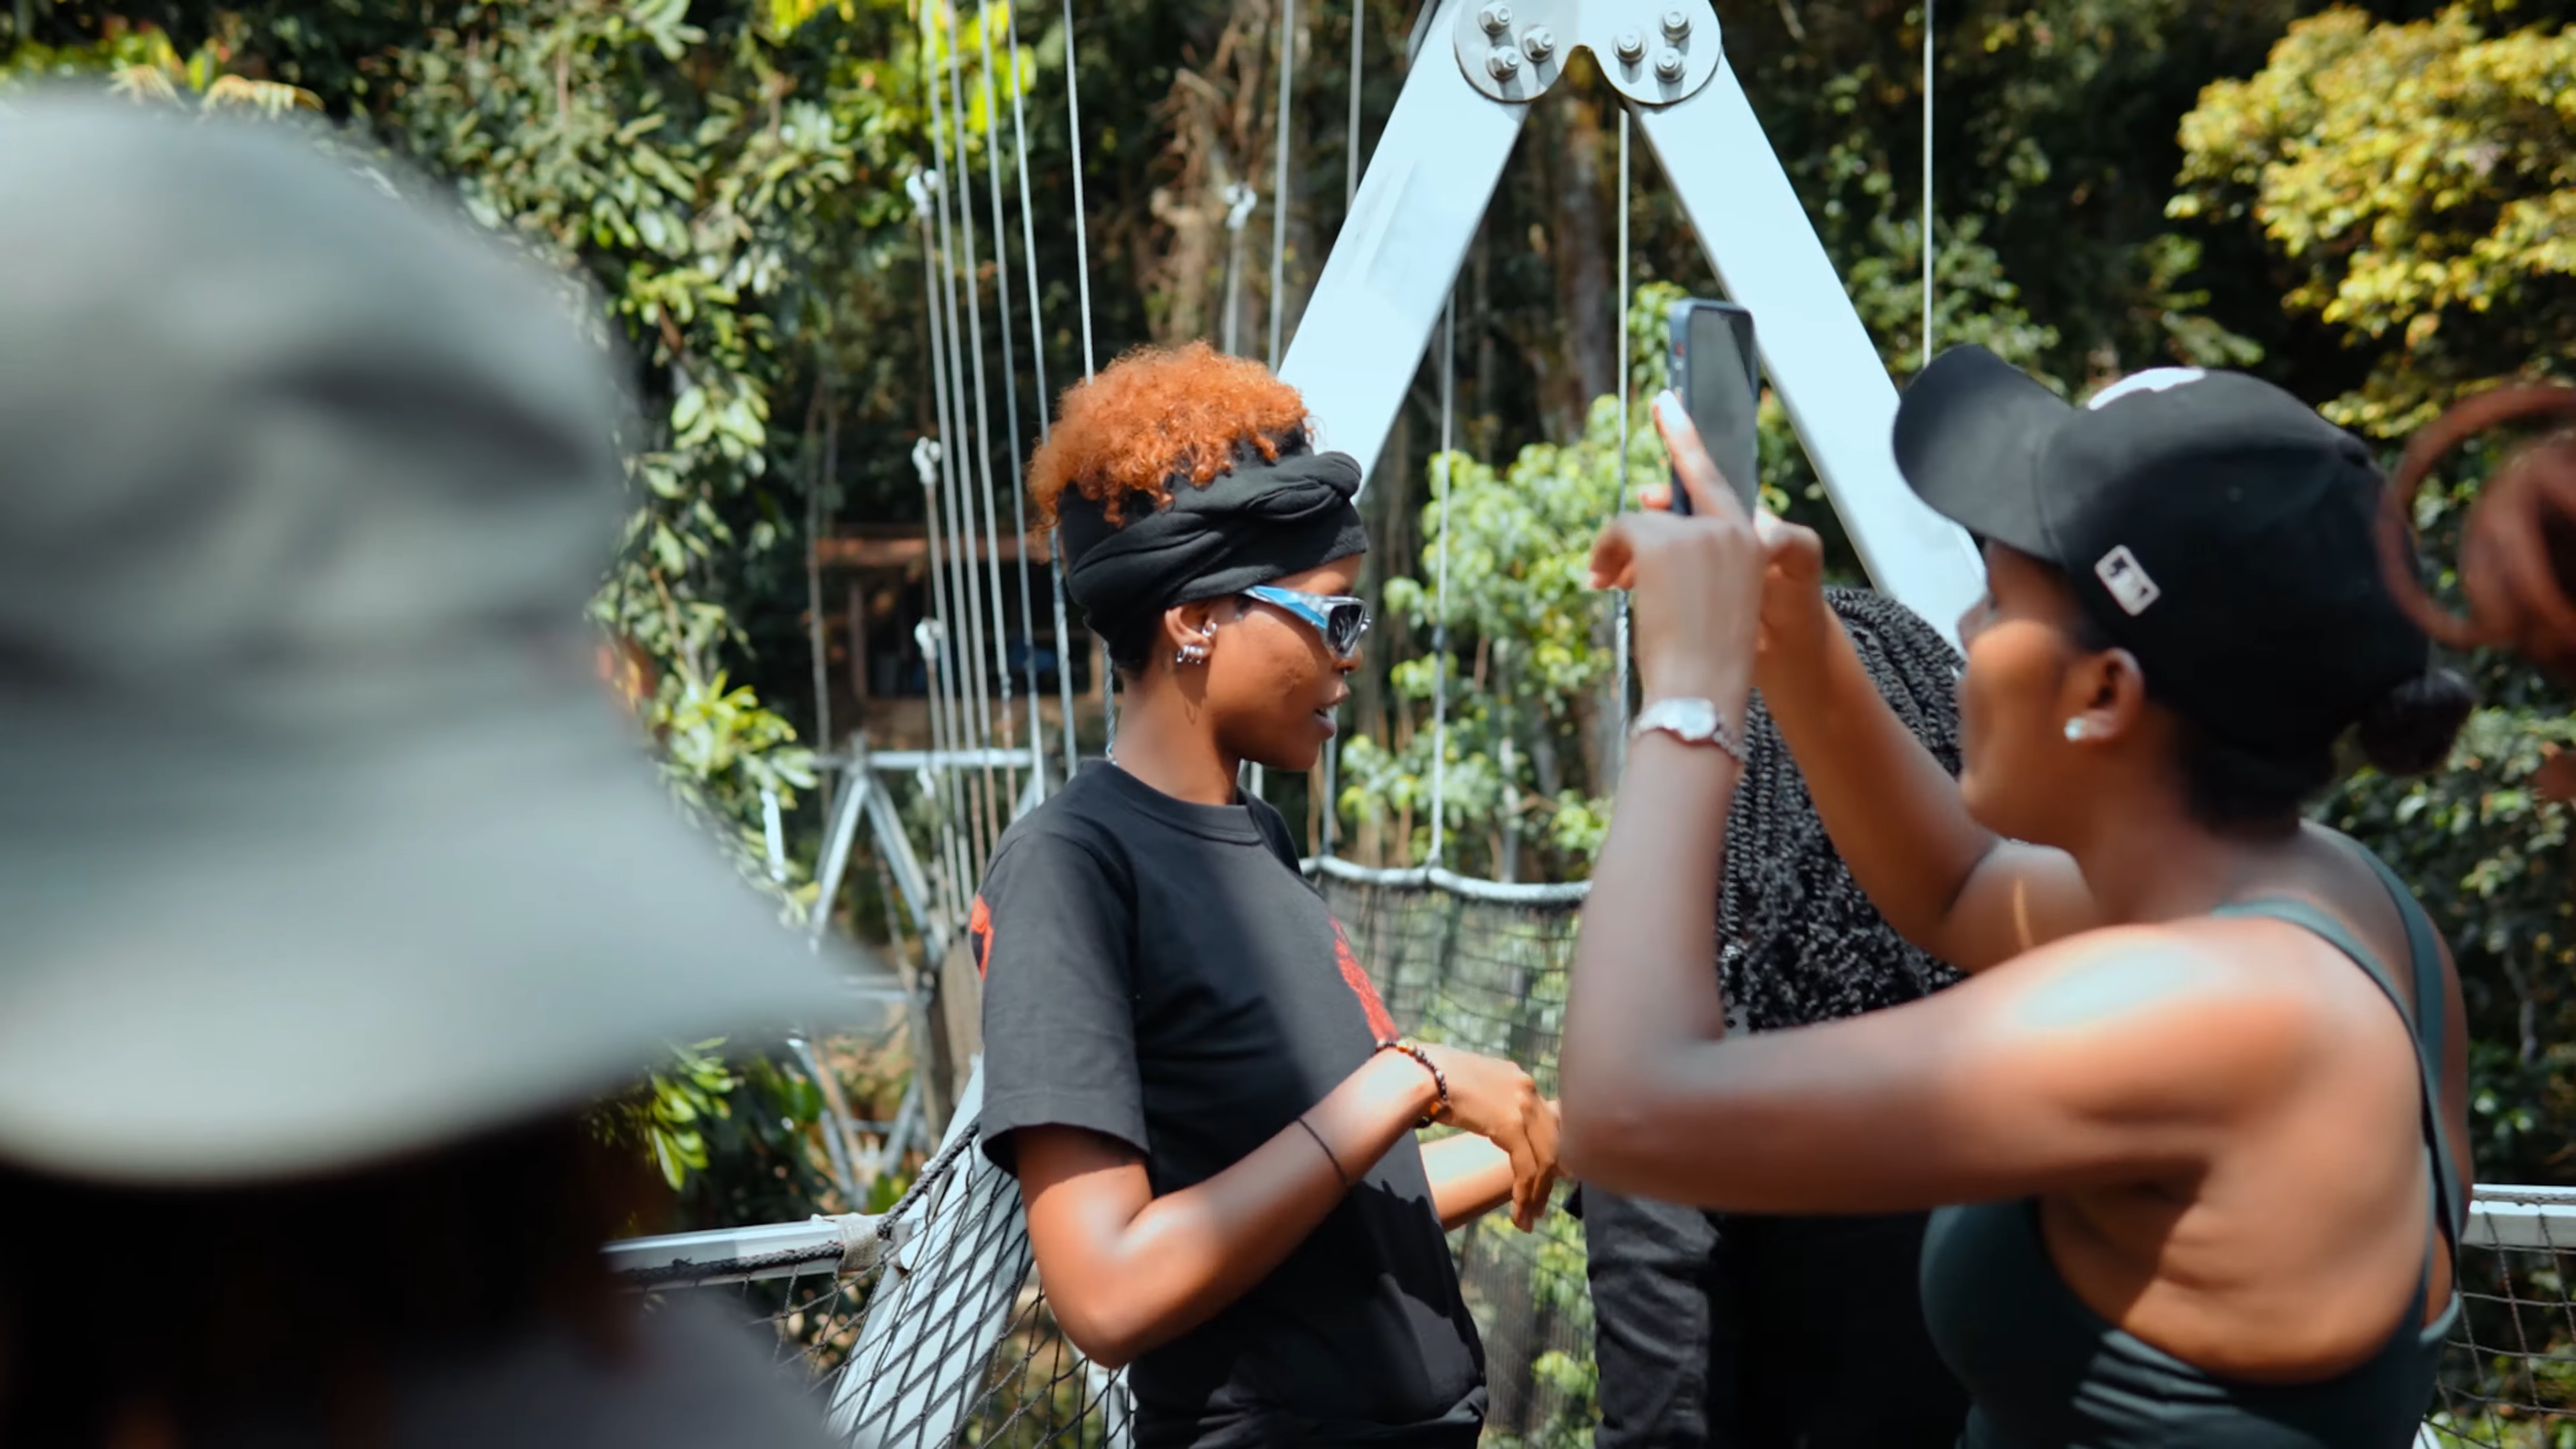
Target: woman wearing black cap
{"x": 2203, "y": 1099}
{"x": 1210, "y": 1114}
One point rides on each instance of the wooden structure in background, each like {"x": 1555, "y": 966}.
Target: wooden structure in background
{"x": 884, "y": 581}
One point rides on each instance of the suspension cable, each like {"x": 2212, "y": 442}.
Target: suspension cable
{"x": 930, "y": 459}
{"x": 937, "y": 643}
{"x": 1239, "y": 201}
{"x": 1350, "y": 195}
{"x": 982, "y": 435}
{"x": 1082, "y": 276}
{"x": 818, "y": 478}
{"x": 1019, "y": 490}
{"x": 1440, "y": 614}
{"x": 1011, "y": 418}
{"x": 1928, "y": 68}
{"x": 1619, "y": 505}
{"x": 1351, "y": 161}
{"x": 1279, "y": 186}
{"x": 1081, "y": 217}
{"x": 956, "y": 579}
{"x": 1278, "y": 228}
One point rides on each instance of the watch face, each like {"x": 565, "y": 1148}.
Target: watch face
{"x": 1692, "y": 719}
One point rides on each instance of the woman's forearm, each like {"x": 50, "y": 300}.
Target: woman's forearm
{"x": 1185, "y": 1256}
{"x": 1893, "y": 813}
{"x": 1644, "y": 993}
{"x": 1470, "y": 1177}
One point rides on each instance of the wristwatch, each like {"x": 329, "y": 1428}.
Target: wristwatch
{"x": 1691, "y": 721}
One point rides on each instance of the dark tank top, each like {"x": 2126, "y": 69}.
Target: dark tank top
{"x": 2047, "y": 1372}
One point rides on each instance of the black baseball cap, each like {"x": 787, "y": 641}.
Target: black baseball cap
{"x": 2213, "y": 525}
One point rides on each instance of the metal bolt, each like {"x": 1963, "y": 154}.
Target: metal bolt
{"x": 1504, "y": 63}
{"x": 1632, "y": 47}
{"x": 1670, "y": 65}
{"x": 1497, "y": 19}
{"x": 1539, "y": 43}
{"x": 1676, "y": 26}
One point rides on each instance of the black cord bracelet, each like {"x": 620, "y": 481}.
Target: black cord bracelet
{"x": 1328, "y": 1151}
{"x": 1413, "y": 1049}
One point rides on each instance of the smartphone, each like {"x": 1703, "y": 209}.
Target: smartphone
{"x": 1718, "y": 376}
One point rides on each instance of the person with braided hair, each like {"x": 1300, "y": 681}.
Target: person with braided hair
{"x": 1749, "y": 1330}
{"x": 2194, "y": 1129}
{"x": 1209, "y": 1110}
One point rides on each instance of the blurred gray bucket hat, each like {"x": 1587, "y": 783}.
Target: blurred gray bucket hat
{"x": 320, "y": 840}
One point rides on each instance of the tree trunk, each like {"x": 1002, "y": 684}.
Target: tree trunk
{"x": 1215, "y": 114}
{"x": 1486, "y": 434}
{"x": 1585, "y": 277}
{"x": 1387, "y": 505}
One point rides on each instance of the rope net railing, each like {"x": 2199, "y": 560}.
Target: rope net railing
{"x": 923, "y": 1326}
{"x": 926, "y": 1325}
{"x": 1490, "y": 977}
{"x": 2509, "y": 1380}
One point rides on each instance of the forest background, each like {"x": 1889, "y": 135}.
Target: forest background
{"x": 2373, "y": 205}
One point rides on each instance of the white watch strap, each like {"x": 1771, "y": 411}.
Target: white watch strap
{"x": 1693, "y": 722}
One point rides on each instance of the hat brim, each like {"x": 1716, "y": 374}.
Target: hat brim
{"x": 444, "y": 947}
{"x": 1970, "y": 431}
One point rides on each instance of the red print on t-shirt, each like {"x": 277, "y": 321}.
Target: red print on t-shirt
{"x": 979, "y": 932}
{"x": 1381, "y": 1024}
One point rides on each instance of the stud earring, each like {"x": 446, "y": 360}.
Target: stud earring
{"x": 1190, "y": 654}
{"x": 2076, "y": 730}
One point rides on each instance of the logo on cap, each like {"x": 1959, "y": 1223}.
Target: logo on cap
{"x": 2154, "y": 379}
{"x": 2127, "y": 580}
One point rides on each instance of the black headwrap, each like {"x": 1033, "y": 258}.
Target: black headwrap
{"x": 1260, "y": 521}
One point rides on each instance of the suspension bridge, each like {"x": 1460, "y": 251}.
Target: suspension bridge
{"x": 925, "y": 1324}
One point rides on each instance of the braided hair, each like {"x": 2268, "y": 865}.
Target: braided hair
{"x": 1798, "y": 941}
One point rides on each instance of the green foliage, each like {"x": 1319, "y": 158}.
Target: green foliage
{"x": 2419, "y": 181}
{"x": 712, "y": 182}
{"x": 1532, "y": 655}
{"x": 1561, "y": 1285}
{"x": 2053, "y": 129}
{"x": 667, "y": 1118}
{"x": 1530, "y": 644}
{"x": 678, "y": 171}
{"x": 2414, "y": 180}
{"x": 2485, "y": 847}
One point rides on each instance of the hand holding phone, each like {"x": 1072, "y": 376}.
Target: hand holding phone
{"x": 1718, "y": 376}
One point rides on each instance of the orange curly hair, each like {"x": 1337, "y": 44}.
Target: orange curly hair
{"x": 1157, "y": 414}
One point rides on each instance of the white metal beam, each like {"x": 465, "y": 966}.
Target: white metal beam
{"x": 1390, "y": 271}
{"x": 1392, "y": 268}
{"x": 1820, "y": 358}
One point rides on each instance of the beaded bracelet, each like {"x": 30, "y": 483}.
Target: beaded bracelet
{"x": 1413, "y": 1049}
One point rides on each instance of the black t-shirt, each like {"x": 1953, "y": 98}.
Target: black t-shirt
{"x": 1159, "y": 972}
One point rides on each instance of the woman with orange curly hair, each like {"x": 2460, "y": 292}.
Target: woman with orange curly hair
{"x": 1209, "y": 1111}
